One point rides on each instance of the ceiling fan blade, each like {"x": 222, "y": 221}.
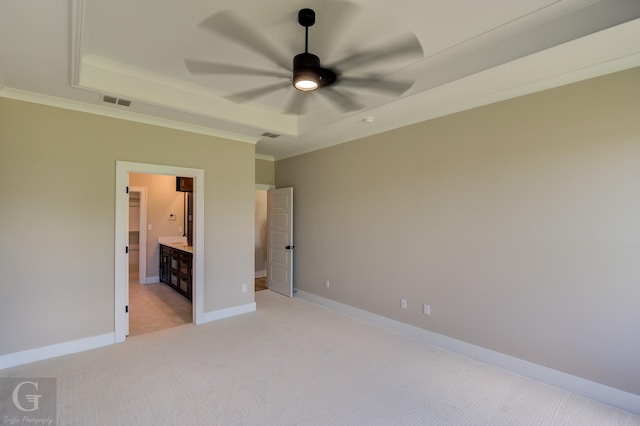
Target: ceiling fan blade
{"x": 345, "y": 102}
{"x": 407, "y": 45}
{"x": 298, "y": 103}
{"x": 257, "y": 92}
{"x": 334, "y": 19}
{"x": 231, "y": 27}
{"x": 196, "y": 66}
{"x": 378, "y": 85}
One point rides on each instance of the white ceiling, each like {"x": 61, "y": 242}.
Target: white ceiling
{"x": 71, "y": 53}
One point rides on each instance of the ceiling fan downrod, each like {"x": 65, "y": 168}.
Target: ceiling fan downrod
{"x": 308, "y": 75}
{"x": 306, "y": 18}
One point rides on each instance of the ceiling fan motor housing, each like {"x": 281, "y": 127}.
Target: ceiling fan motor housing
{"x": 304, "y": 61}
{"x": 307, "y": 66}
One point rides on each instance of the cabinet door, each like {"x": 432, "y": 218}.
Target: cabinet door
{"x": 164, "y": 263}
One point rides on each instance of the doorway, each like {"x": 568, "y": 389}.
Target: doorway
{"x": 153, "y": 305}
{"x": 121, "y": 300}
{"x": 260, "y": 252}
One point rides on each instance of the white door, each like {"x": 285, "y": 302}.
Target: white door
{"x": 280, "y": 240}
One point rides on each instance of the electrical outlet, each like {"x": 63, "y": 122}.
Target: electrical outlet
{"x": 426, "y": 309}
{"x": 403, "y": 303}
{"x": 327, "y": 284}
{"x": 244, "y": 288}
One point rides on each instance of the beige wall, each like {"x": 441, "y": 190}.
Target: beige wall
{"x": 517, "y": 223}
{"x": 265, "y": 172}
{"x": 57, "y": 186}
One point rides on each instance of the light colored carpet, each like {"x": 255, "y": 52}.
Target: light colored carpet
{"x": 295, "y": 363}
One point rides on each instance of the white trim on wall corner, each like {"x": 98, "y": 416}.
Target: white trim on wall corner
{"x": 228, "y": 312}
{"x": 597, "y": 391}
{"x": 59, "y": 349}
{"x": 152, "y": 280}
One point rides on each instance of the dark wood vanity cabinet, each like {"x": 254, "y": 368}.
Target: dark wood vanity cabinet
{"x": 176, "y": 269}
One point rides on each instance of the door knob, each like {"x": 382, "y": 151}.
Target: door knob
{"x": 289, "y": 247}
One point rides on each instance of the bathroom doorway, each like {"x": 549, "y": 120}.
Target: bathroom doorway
{"x": 153, "y": 305}
{"x": 261, "y": 237}
{"x": 121, "y": 305}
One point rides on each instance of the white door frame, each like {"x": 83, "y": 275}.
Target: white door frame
{"x": 123, "y": 168}
{"x": 142, "y": 233}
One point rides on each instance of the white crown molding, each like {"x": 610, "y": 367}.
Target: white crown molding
{"x": 265, "y": 157}
{"x": 264, "y": 187}
{"x": 105, "y": 75}
{"x": 605, "y": 52}
{"x": 53, "y": 101}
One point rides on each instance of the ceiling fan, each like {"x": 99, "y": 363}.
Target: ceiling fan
{"x": 305, "y": 73}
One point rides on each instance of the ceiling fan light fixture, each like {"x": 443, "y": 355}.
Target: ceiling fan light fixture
{"x": 305, "y": 76}
{"x": 306, "y": 81}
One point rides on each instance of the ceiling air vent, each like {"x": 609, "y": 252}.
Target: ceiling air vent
{"x": 117, "y": 101}
{"x": 270, "y": 135}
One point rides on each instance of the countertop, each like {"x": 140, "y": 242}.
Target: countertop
{"x": 179, "y": 246}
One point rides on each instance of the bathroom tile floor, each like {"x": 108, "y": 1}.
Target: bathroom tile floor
{"x": 155, "y": 307}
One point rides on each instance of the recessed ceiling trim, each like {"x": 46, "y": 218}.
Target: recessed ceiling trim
{"x": 591, "y": 56}
{"x": 77, "y": 27}
{"x": 105, "y": 75}
{"x": 121, "y": 114}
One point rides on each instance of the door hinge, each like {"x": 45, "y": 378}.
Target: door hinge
{"x": 126, "y": 309}
{"x": 126, "y": 249}
{"x": 127, "y": 189}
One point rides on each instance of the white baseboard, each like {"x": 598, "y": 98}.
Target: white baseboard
{"x": 261, "y": 274}
{"x": 615, "y": 397}
{"x": 59, "y": 349}
{"x": 66, "y": 348}
{"x": 228, "y": 312}
{"x": 152, "y": 280}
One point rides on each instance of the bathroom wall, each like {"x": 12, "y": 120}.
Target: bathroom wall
{"x": 162, "y": 201}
